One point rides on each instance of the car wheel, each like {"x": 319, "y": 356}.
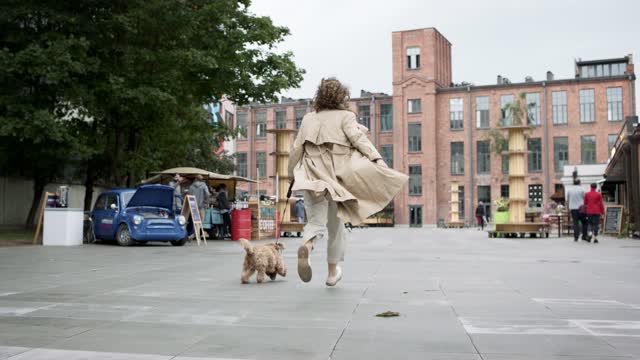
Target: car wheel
{"x": 123, "y": 236}
{"x": 179, "y": 242}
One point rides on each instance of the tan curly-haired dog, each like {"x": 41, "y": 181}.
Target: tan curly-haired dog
{"x": 265, "y": 259}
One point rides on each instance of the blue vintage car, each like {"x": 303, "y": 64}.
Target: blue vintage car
{"x": 148, "y": 213}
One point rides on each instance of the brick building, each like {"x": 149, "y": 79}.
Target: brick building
{"x": 436, "y": 131}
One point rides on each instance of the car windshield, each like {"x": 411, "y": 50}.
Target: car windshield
{"x": 127, "y": 197}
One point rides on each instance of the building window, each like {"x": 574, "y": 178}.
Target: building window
{"x": 455, "y": 113}
{"x": 614, "y": 104}
{"x": 386, "y": 117}
{"x": 533, "y": 109}
{"x": 559, "y": 107}
{"x": 364, "y": 115}
{"x": 386, "y": 151}
{"x": 413, "y": 58}
{"x": 612, "y": 142}
{"x": 415, "y": 137}
{"x": 535, "y": 195}
{"x": 281, "y": 119}
{"x": 507, "y": 118}
{"x": 588, "y": 149}
{"x": 228, "y": 119}
{"x": 261, "y": 164}
{"x": 600, "y": 70}
{"x": 558, "y": 188}
{"x": 414, "y": 106}
{"x": 415, "y": 215}
{"x": 534, "y": 146}
{"x": 457, "y": 158}
{"x": 261, "y": 125}
{"x": 461, "y": 202}
{"x": 415, "y": 180}
{"x": 484, "y": 197}
{"x": 242, "y": 126}
{"x": 241, "y": 164}
{"x": 482, "y": 112}
{"x": 505, "y": 164}
{"x": 504, "y": 191}
{"x": 560, "y": 153}
{"x": 484, "y": 156}
{"x": 300, "y": 112}
{"x": 587, "y": 106}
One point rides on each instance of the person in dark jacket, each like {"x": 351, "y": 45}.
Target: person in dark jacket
{"x": 480, "y": 215}
{"x": 225, "y": 207}
{"x": 594, "y": 207}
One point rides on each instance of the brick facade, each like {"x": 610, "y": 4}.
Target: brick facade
{"x": 430, "y": 82}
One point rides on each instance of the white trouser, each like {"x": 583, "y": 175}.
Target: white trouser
{"x": 322, "y": 222}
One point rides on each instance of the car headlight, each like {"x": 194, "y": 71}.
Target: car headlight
{"x": 137, "y": 219}
{"x": 182, "y": 220}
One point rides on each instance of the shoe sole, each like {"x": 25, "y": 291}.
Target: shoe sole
{"x": 304, "y": 267}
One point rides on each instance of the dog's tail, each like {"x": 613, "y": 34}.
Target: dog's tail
{"x": 246, "y": 244}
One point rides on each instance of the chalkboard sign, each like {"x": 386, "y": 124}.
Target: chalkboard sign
{"x": 190, "y": 209}
{"x": 193, "y": 205}
{"x": 612, "y": 219}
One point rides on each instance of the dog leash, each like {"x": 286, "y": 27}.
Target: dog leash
{"x": 286, "y": 206}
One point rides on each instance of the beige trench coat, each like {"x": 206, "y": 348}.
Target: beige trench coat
{"x": 331, "y": 153}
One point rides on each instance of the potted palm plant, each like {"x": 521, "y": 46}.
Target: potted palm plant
{"x": 502, "y": 211}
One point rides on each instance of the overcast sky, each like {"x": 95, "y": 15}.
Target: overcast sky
{"x": 351, "y": 39}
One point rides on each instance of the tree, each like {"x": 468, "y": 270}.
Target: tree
{"x": 129, "y": 78}
{"x": 39, "y": 66}
{"x": 161, "y": 59}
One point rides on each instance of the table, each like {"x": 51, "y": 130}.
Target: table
{"x": 559, "y": 218}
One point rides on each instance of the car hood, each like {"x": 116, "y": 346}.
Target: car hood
{"x": 153, "y": 195}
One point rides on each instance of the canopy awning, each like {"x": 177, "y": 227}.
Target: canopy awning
{"x": 191, "y": 171}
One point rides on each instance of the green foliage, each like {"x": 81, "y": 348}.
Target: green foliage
{"x": 114, "y": 89}
{"x": 516, "y": 111}
{"x": 502, "y": 204}
{"x": 499, "y": 141}
{"x": 516, "y": 115}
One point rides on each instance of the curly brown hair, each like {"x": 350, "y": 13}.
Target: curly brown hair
{"x": 331, "y": 95}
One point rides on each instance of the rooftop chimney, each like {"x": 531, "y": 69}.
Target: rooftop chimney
{"x": 549, "y": 76}
{"x": 499, "y": 79}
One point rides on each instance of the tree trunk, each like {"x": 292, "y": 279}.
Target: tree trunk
{"x": 88, "y": 185}
{"x": 131, "y": 149}
{"x": 38, "y": 190}
{"x": 90, "y": 175}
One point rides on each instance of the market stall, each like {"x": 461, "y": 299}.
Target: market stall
{"x": 212, "y": 179}
{"x": 253, "y": 220}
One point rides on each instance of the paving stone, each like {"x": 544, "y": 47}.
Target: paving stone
{"x": 461, "y": 296}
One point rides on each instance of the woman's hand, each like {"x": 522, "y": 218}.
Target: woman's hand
{"x": 381, "y": 163}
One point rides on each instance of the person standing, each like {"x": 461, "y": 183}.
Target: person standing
{"x": 575, "y": 199}
{"x": 342, "y": 174}
{"x": 177, "y": 190}
{"x": 225, "y": 208}
{"x": 480, "y": 214}
{"x": 594, "y": 207}
{"x": 299, "y": 209}
{"x": 201, "y": 191}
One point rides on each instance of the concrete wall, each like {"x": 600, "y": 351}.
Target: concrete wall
{"x": 16, "y": 195}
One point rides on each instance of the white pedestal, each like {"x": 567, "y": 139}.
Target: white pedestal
{"x": 62, "y": 227}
